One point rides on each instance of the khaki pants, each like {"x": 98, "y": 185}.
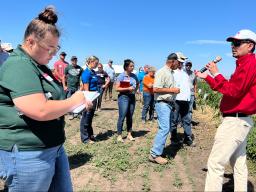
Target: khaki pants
{"x": 229, "y": 146}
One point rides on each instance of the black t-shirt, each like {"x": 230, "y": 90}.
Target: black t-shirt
{"x": 101, "y": 77}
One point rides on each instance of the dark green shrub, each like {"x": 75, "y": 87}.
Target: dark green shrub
{"x": 207, "y": 96}
{"x": 251, "y": 143}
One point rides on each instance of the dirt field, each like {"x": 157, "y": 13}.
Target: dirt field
{"x": 110, "y": 166}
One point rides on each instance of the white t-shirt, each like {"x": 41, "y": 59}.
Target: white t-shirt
{"x": 182, "y": 81}
{"x": 111, "y": 73}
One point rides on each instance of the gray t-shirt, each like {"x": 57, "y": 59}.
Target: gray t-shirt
{"x": 192, "y": 81}
{"x": 164, "y": 79}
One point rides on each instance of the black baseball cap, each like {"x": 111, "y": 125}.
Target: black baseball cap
{"x": 63, "y": 53}
{"x": 73, "y": 58}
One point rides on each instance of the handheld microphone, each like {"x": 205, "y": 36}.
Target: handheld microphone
{"x": 216, "y": 60}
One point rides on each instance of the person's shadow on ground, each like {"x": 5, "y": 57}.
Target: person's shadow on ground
{"x": 229, "y": 185}
{"x": 172, "y": 150}
{"x": 78, "y": 160}
{"x": 140, "y": 133}
{"x": 105, "y": 136}
{"x": 109, "y": 108}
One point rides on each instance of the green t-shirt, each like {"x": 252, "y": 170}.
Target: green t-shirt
{"x": 73, "y": 74}
{"x": 20, "y": 75}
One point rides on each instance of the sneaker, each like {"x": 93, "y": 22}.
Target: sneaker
{"x": 120, "y": 139}
{"x": 92, "y": 138}
{"x": 144, "y": 121}
{"x": 160, "y": 160}
{"x": 91, "y": 141}
{"x": 71, "y": 117}
{"x": 188, "y": 141}
{"x": 130, "y": 137}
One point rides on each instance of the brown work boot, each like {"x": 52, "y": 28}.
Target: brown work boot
{"x": 160, "y": 160}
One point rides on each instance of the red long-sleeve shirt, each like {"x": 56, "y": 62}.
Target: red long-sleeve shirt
{"x": 239, "y": 93}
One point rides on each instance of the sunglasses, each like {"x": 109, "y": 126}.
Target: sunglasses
{"x": 50, "y": 50}
{"x": 238, "y": 43}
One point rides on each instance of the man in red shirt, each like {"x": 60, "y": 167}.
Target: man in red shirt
{"x": 59, "y": 67}
{"x": 237, "y": 104}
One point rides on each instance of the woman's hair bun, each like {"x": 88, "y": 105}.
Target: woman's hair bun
{"x": 48, "y": 15}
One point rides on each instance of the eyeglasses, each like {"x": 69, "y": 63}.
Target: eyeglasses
{"x": 239, "y": 43}
{"x": 51, "y": 50}
{"x": 188, "y": 65}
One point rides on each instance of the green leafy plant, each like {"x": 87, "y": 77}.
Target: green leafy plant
{"x": 213, "y": 100}
{"x": 251, "y": 143}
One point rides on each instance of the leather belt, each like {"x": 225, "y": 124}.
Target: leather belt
{"x": 168, "y": 102}
{"x": 234, "y": 115}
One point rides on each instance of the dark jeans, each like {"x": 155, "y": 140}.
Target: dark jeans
{"x": 99, "y": 100}
{"x": 181, "y": 110}
{"x": 148, "y": 106}
{"x": 86, "y": 129}
{"x": 109, "y": 90}
{"x": 70, "y": 92}
{"x": 126, "y": 106}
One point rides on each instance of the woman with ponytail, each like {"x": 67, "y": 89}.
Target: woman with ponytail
{"x": 33, "y": 105}
{"x": 89, "y": 83}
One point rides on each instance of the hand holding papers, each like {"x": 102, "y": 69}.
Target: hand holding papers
{"x": 89, "y": 95}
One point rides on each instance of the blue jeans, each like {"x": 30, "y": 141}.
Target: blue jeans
{"x": 148, "y": 106}
{"x": 164, "y": 117}
{"x": 182, "y": 111}
{"x": 45, "y": 170}
{"x": 86, "y": 129}
{"x": 126, "y": 106}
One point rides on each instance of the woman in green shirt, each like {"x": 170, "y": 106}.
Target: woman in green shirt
{"x": 32, "y": 107}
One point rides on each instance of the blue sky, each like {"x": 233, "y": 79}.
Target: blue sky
{"x": 143, "y": 30}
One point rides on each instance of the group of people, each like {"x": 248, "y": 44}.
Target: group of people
{"x": 34, "y": 101}
{"x": 74, "y": 78}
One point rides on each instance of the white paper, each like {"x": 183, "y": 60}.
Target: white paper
{"x": 89, "y": 95}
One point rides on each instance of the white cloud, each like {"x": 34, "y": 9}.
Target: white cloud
{"x": 204, "y": 42}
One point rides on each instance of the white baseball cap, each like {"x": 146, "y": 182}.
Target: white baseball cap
{"x": 181, "y": 57}
{"x": 7, "y": 46}
{"x": 244, "y": 34}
